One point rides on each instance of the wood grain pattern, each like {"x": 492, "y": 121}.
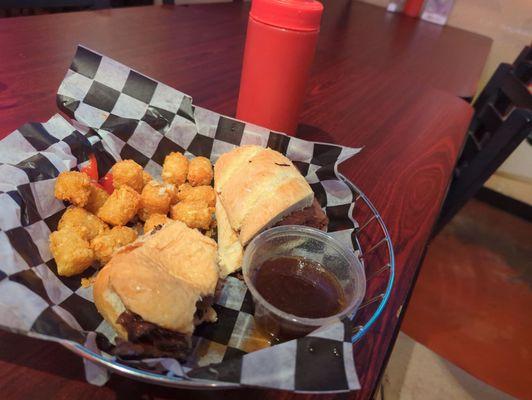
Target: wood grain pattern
{"x": 198, "y": 49}
{"x": 410, "y": 131}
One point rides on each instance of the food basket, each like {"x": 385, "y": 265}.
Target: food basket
{"x": 118, "y": 113}
{"x": 376, "y": 253}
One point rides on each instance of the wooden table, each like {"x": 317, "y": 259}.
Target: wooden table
{"x": 381, "y": 81}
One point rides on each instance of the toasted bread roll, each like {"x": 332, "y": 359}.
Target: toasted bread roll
{"x": 257, "y": 187}
{"x": 136, "y": 283}
{"x": 160, "y": 278}
{"x": 230, "y": 249}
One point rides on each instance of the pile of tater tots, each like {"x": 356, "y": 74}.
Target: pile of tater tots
{"x": 97, "y": 223}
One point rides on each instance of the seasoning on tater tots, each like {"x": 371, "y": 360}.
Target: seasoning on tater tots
{"x": 200, "y": 171}
{"x": 93, "y": 228}
{"x": 155, "y": 220}
{"x": 120, "y": 207}
{"x": 175, "y": 168}
{"x": 154, "y": 199}
{"x": 195, "y": 214}
{"x": 128, "y": 173}
{"x": 186, "y": 192}
{"x": 73, "y": 186}
{"x": 107, "y": 243}
{"x": 87, "y": 225}
{"x": 96, "y": 198}
{"x": 72, "y": 253}
{"x": 172, "y": 191}
{"x": 146, "y": 177}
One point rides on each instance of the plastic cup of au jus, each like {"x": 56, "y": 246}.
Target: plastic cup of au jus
{"x": 334, "y": 261}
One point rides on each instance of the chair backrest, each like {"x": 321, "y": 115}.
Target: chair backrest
{"x": 53, "y": 3}
{"x": 502, "y": 120}
{"x": 187, "y": 2}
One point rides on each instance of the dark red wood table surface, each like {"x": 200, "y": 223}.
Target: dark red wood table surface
{"x": 385, "y": 82}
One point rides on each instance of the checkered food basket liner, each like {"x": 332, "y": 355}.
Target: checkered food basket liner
{"x": 118, "y": 113}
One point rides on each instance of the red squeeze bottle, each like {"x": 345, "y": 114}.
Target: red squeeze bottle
{"x": 413, "y": 7}
{"x": 280, "y": 46}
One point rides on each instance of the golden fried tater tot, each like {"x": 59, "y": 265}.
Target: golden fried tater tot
{"x": 96, "y": 198}
{"x": 87, "y": 225}
{"x": 146, "y": 177}
{"x": 200, "y": 171}
{"x": 195, "y": 214}
{"x": 73, "y": 186}
{"x": 138, "y": 227}
{"x": 88, "y": 282}
{"x": 175, "y": 168}
{"x": 191, "y": 193}
{"x": 107, "y": 243}
{"x": 172, "y": 191}
{"x": 155, "y": 220}
{"x": 209, "y": 233}
{"x": 154, "y": 199}
{"x": 128, "y": 173}
{"x": 72, "y": 253}
{"x": 120, "y": 207}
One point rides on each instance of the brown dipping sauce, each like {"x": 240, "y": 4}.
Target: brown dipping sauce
{"x": 300, "y": 287}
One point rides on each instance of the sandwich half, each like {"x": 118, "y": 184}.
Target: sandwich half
{"x": 258, "y": 188}
{"x": 156, "y": 290}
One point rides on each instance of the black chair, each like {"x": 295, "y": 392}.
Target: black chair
{"x": 502, "y": 120}
{"x": 53, "y": 3}
{"x": 523, "y": 71}
{"x": 17, "y": 7}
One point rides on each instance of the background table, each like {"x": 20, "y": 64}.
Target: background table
{"x": 385, "y": 82}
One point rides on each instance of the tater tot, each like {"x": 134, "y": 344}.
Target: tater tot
{"x": 120, "y": 207}
{"x": 72, "y": 253}
{"x": 155, "y": 220}
{"x": 96, "y": 198}
{"x": 154, "y": 199}
{"x": 172, "y": 191}
{"x": 87, "y": 225}
{"x": 200, "y": 171}
{"x": 138, "y": 227}
{"x": 195, "y": 214}
{"x": 73, "y": 186}
{"x": 191, "y": 193}
{"x": 107, "y": 243}
{"x": 128, "y": 173}
{"x": 146, "y": 177}
{"x": 175, "y": 168}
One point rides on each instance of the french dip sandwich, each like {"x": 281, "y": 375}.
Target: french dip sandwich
{"x": 156, "y": 290}
{"x": 257, "y": 188}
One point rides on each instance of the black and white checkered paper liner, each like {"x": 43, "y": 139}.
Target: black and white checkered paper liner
{"x": 118, "y": 113}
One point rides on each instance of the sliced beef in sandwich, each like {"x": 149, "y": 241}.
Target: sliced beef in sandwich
{"x": 312, "y": 216}
{"x": 146, "y": 339}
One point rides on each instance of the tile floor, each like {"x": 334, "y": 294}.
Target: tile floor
{"x": 472, "y": 304}
{"x": 416, "y": 373}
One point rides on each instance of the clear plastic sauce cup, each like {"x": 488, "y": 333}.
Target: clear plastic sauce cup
{"x": 312, "y": 245}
